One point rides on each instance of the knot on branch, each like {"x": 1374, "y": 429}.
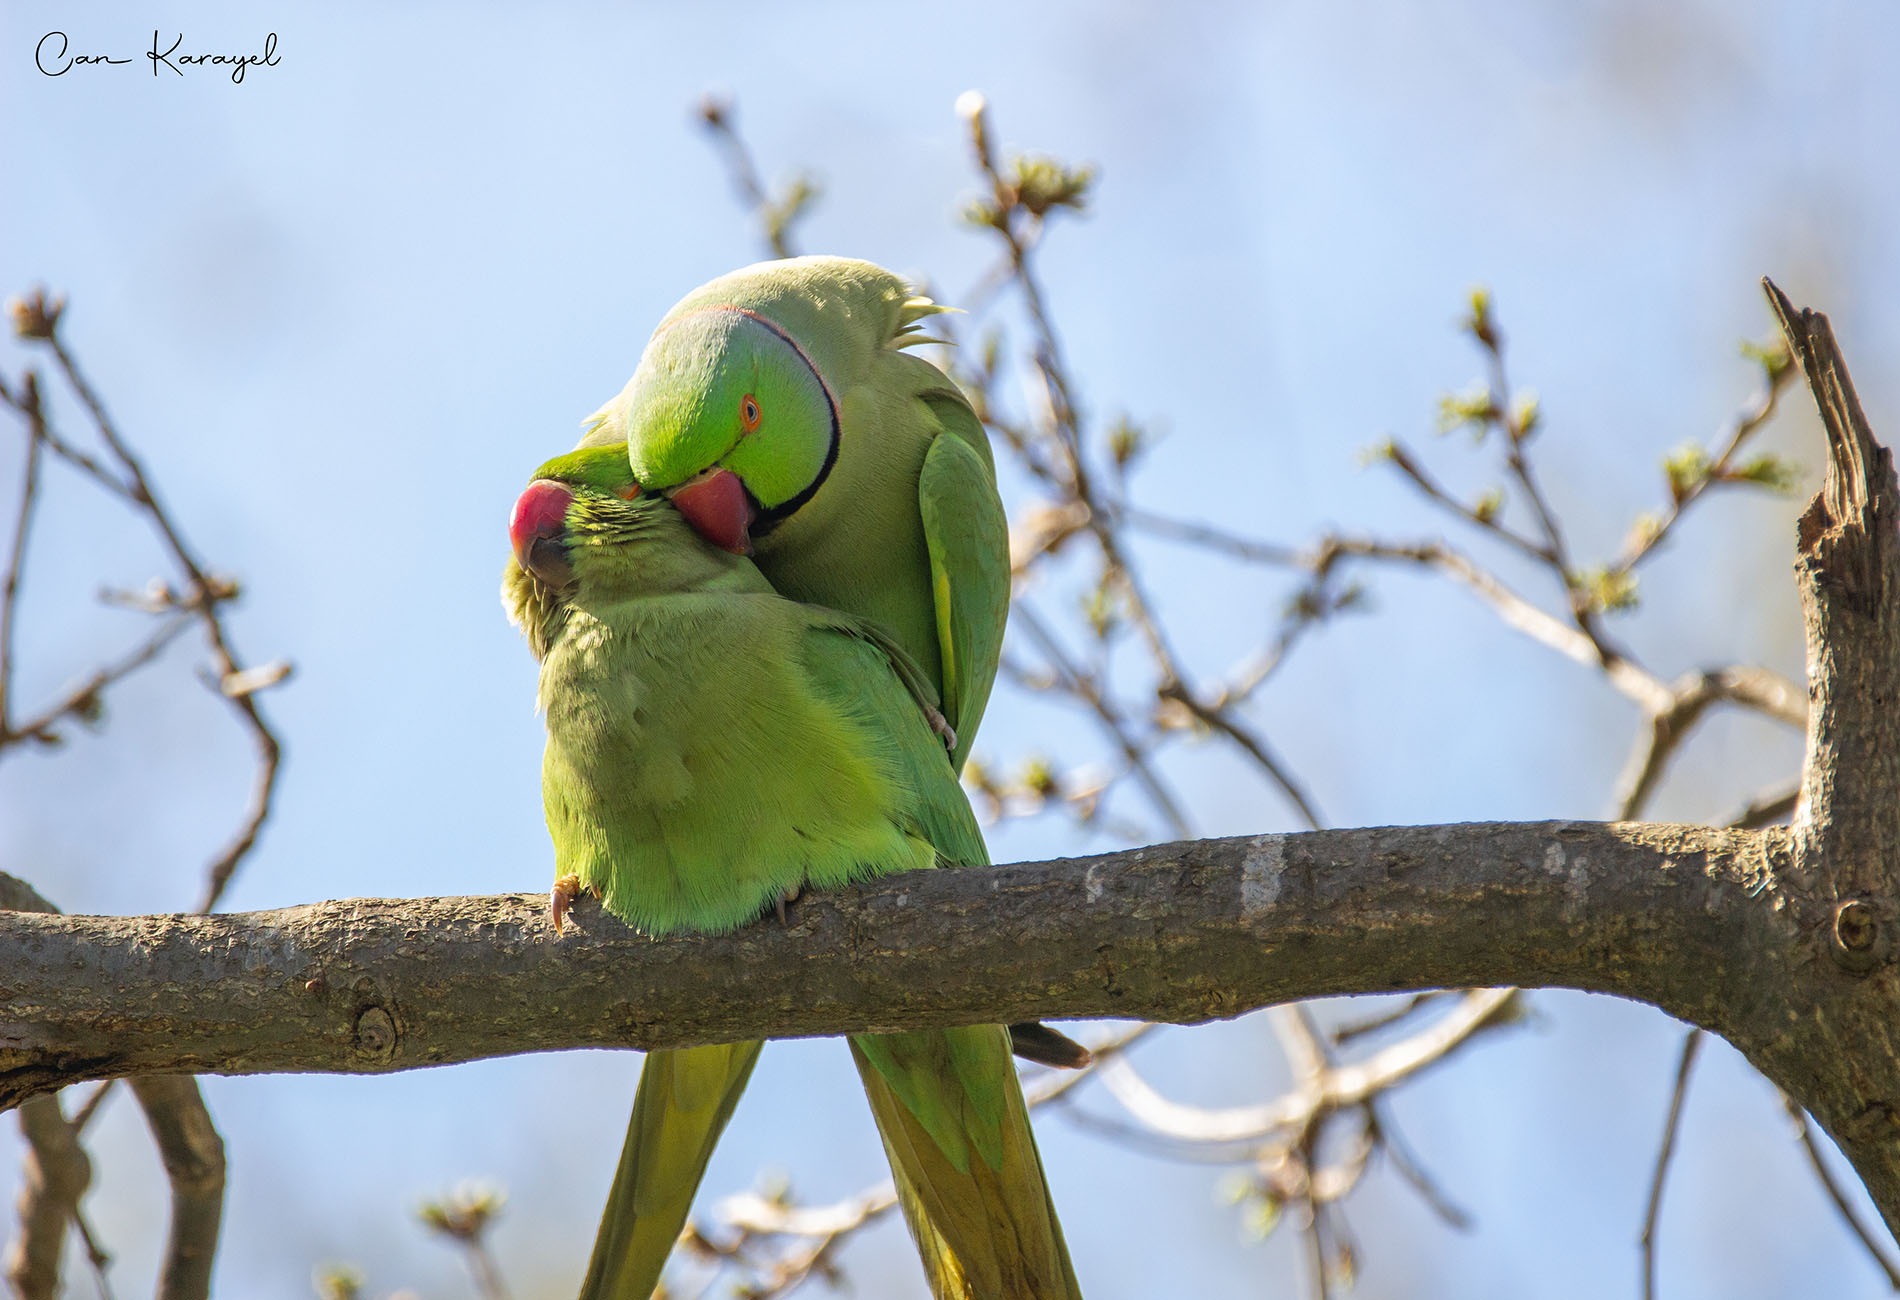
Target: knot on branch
{"x": 1859, "y": 941}
{"x": 376, "y": 1034}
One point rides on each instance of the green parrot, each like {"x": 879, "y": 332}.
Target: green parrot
{"x": 778, "y": 408}
{"x": 713, "y": 748}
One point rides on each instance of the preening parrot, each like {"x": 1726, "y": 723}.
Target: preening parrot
{"x": 778, "y": 408}
{"x": 714, "y": 747}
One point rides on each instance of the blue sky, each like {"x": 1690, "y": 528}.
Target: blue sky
{"x": 345, "y": 307}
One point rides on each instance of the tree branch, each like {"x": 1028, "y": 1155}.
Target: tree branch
{"x": 56, "y": 1174}
{"x": 1691, "y": 1045}
{"x": 1839, "y": 1055}
{"x": 1180, "y": 932}
{"x": 193, "y": 1155}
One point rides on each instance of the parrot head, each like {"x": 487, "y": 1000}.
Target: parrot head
{"x": 728, "y": 416}
{"x": 538, "y": 527}
{"x": 586, "y": 537}
{"x": 573, "y": 499}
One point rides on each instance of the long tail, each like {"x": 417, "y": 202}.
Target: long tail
{"x": 951, "y": 1114}
{"x": 682, "y": 1105}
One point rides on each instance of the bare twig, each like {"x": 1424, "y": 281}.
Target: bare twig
{"x": 1518, "y": 427}
{"x": 204, "y": 595}
{"x": 1486, "y": 520}
{"x": 1413, "y": 1170}
{"x": 1777, "y": 373}
{"x": 1373, "y": 1024}
{"x": 54, "y": 1176}
{"x": 82, "y": 700}
{"x": 1804, "y": 1133}
{"x": 821, "y": 1230}
{"x": 1337, "y": 1087}
{"x": 776, "y": 215}
{"x": 16, "y": 553}
{"x": 1756, "y": 689}
{"x": 1210, "y": 537}
{"x": 1518, "y": 613}
{"x": 1318, "y": 1269}
{"x": 1084, "y": 688}
{"x": 1017, "y": 217}
{"x": 1691, "y": 1044}
{"x": 1767, "y": 810}
{"x": 1253, "y": 745}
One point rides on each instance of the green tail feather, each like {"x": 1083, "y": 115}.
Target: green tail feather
{"x": 684, "y": 1100}
{"x": 968, "y": 1175}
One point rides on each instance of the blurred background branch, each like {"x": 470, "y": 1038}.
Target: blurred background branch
{"x": 190, "y": 1149}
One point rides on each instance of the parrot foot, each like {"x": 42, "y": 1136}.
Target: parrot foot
{"x": 785, "y": 898}
{"x": 561, "y": 898}
{"x": 940, "y": 725}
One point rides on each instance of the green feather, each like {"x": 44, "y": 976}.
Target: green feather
{"x": 682, "y": 1105}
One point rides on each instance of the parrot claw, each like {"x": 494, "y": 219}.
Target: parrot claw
{"x": 941, "y": 725}
{"x": 785, "y": 898}
{"x": 561, "y": 898}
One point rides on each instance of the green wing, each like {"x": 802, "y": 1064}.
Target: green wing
{"x": 968, "y": 539}
{"x": 684, "y": 1100}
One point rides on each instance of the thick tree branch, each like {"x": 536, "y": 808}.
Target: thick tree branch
{"x": 1837, "y": 1052}
{"x": 1180, "y": 932}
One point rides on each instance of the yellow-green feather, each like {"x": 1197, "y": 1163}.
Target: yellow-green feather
{"x": 682, "y": 1105}
{"x": 967, "y": 540}
{"x": 695, "y": 771}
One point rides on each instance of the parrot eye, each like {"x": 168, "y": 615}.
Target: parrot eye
{"x": 749, "y": 414}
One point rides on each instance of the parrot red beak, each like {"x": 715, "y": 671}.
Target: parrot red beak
{"x": 716, "y": 505}
{"x": 536, "y": 529}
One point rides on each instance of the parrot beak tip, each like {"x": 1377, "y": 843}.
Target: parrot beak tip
{"x": 536, "y": 528}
